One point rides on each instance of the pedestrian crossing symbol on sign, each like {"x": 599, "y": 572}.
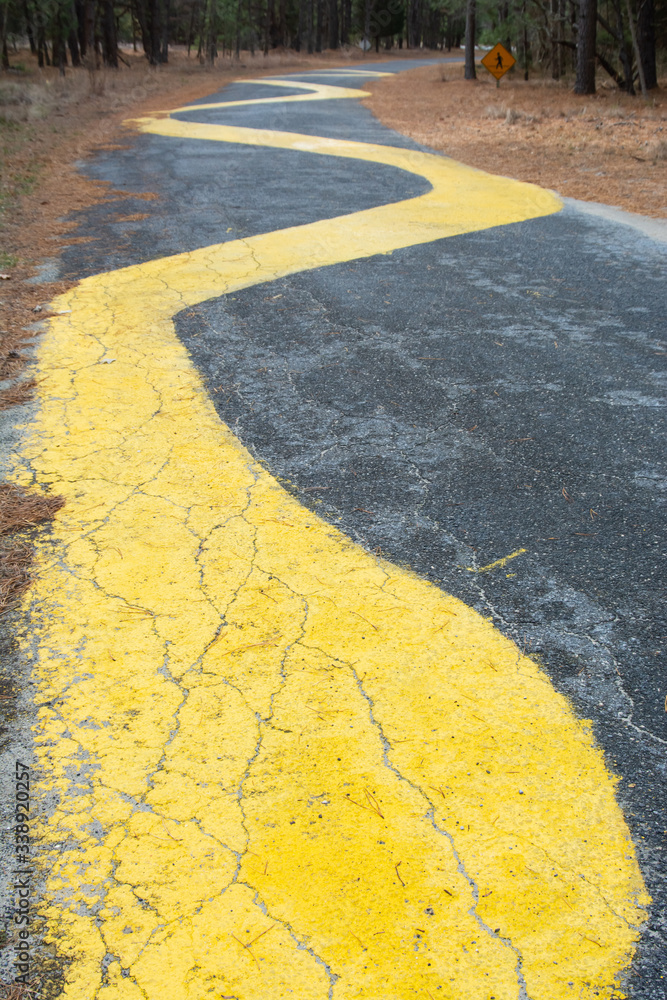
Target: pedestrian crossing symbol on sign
{"x": 498, "y": 61}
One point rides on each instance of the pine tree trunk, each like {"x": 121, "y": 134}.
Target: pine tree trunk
{"x": 109, "y": 40}
{"x": 555, "y": 32}
{"x": 503, "y": 17}
{"x": 211, "y": 31}
{"x": 191, "y": 27}
{"x": 624, "y": 53}
{"x": 320, "y": 18}
{"x": 411, "y": 26}
{"x": 238, "y": 29}
{"x": 586, "y": 36}
{"x": 89, "y": 19}
{"x": 282, "y": 27}
{"x": 300, "y": 25}
{"x": 333, "y": 24}
{"x": 164, "y": 32}
{"x": 635, "y": 45}
{"x": 154, "y": 26}
{"x": 267, "y": 27}
{"x": 58, "y": 38}
{"x": 646, "y": 42}
{"x": 73, "y": 45}
{"x": 4, "y": 56}
{"x": 79, "y": 11}
{"x": 347, "y": 22}
{"x": 29, "y": 27}
{"x": 471, "y": 17}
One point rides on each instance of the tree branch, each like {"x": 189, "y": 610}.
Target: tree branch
{"x": 618, "y": 80}
{"x": 607, "y": 27}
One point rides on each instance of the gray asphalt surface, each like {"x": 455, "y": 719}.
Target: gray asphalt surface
{"x": 485, "y": 393}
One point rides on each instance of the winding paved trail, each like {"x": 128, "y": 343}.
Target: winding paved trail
{"x": 331, "y": 483}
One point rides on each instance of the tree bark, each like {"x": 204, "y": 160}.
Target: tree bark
{"x": 211, "y": 32}
{"x": 42, "y": 49}
{"x": 58, "y": 37}
{"x": 586, "y": 35}
{"x": 282, "y": 25}
{"x": 80, "y": 14}
{"x": 318, "y": 31}
{"x": 606, "y": 66}
{"x": 635, "y": 45}
{"x": 333, "y": 24}
{"x": 556, "y": 68}
{"x": 73, "y": 45}
{"x": 29, "y": 14}
{"x": 267, "y": 27}
{"x": 347, "y": 22}
{"x": 150, "y": 14}
{"x": 4, "y": 56}
{"x": 89, "y": 19}
{"x": 471, "y": 18}
{"x": 164, "y": 33}
{"x": 526, "y": 44}
{"x": 503, "y": 18}
{"x": 624, "y": 53}
{"x": 412, "y": 26}
{"x": 646, "y": 42}
{"x": 561, "y": 32}
{"x": 300, "y": 24}
{"x": 191, "y": 25}
{"x": 58, "y": 52}
{"x": 154, "y": 27}
{"x": 556, "y": 50}
{"x": 109, "y": 39}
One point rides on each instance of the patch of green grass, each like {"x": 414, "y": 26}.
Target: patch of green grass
{"x": 7, "y": 260}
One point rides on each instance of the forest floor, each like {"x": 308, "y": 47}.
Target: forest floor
{"x": 609, "y": 147}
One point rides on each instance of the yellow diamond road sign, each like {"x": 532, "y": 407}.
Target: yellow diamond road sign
{"x": 498, "y": 61}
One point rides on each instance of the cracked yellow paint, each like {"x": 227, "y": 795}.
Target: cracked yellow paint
{"x": 276, "y": 765}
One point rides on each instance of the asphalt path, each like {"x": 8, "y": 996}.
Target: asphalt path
{"x": 486, "y": 409}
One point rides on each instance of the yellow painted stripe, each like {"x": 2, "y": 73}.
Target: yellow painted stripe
{"x": 348, "y": 72}
{"x": 461, "y": 200}
{"x": 320, "y": 92}
{"x": 277, "y": 765}
{"x": 497, "y": 564}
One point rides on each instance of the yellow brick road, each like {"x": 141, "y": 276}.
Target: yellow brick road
{"x": 281, "y": 766}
